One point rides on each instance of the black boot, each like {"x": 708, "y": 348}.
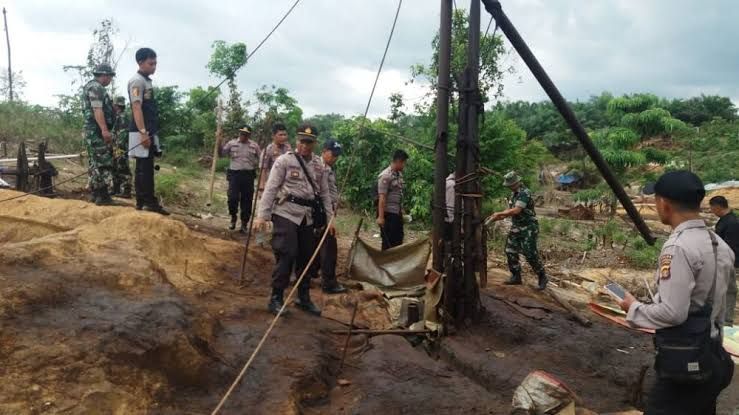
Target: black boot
{"x": 514, "y": 280}
{"x": 232, "y": 226}
{"x": 156, "y": 207}
{"x": 333, "y": 287}
{"x": 276, "y": 302}
{"x": 126, "y": 193}
{"x": 115, "y": 190}
{"x": 304, "y": 303}
{"x": 543, "y": 280}
{"x": 244, "y": 226}
{"x": 103, "y": 198}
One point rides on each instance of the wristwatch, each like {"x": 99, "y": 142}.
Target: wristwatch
{"x": 143, "y": 131}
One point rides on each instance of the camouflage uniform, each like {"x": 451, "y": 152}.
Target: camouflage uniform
{"x": 100, "y": 156}
{"x": 121, "y": 169}
{"x": 523, "y": 235}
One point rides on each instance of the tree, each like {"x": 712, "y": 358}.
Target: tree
{"x": 491, "y": 69}
{"x": 19, "y": 85}
{"x": 272, "y": 105}
{"x": 224, "y": 62}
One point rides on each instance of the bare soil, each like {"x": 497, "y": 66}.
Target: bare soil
{"x": 109, "y": 310}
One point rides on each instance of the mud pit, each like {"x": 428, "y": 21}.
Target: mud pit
{"x": 109, "y": 310}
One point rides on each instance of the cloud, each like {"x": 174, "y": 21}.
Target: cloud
{"x": 327, "y": 51}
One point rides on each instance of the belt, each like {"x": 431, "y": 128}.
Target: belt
{"x": 300, "y": 201}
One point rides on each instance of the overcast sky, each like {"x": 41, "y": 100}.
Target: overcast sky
{"x": 327, "y": 51}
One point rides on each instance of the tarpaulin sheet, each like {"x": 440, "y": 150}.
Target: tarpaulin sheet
{"x": 398, "y": 269}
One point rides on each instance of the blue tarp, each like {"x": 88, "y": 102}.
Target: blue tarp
{"x": 567, "y": 179}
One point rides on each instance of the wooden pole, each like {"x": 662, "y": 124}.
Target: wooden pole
{"x": 216, "y": 149}
{"x": 348, "y": 336}
{"x": 10, "y": 67}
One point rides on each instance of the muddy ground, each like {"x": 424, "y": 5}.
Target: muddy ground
{"x": 112, "y": 311}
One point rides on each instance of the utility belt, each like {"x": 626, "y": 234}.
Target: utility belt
{"x": 318, "y": 211}
{"x": 300, "y": 201}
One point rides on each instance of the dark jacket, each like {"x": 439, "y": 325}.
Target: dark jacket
{"x": 728, "y": 229}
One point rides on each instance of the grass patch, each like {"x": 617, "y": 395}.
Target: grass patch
{"x": 642, "y": 255}
{"x": 167, "y": 187}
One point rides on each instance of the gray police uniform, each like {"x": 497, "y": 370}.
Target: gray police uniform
{"x": 241, "y": 172}
{"x": 329, "y": 249}
{"x": 271, "y": 153}
{"x": 141, "y": 89}
{"x": 293, "y": 239}
{"x": 684, "y": 277}
{"x": 390, "y": 183}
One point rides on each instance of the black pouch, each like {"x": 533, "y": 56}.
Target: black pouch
{"x": 685, "y": 353}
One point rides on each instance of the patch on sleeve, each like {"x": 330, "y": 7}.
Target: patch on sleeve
{"x": 135, "y": 92}
{"x": 664, "y": 266}
{"x": 295, "y": 174}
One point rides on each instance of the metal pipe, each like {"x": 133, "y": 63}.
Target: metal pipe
{"x": 494, "y": 8}
{"x": 442, "y": 132}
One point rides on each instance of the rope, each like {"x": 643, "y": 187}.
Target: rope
{"x": 317, "y": 249}
{"x": 372, "y": 93}
{"x": 274, "y": 321}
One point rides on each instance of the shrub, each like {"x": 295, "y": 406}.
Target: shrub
{"x": 167, "y": 187}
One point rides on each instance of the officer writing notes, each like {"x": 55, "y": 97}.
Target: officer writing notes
{"x": 688, "y": 311}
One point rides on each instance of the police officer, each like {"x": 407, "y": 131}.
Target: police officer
{"x": 244, "y": 155}
{"x": 143, "y": 141}
{"x": 692, "y": 276}
{"x": 390, "y": 201}
{"x": 275, "y": 149}
{"x": 288, "y": 201}
{"x": 99, "y": 119}
{"x": 121, "y": 170}
{"x": 329, "y": 249}
{"x": 524, "y": 232}
{"x": 727, "y": 228}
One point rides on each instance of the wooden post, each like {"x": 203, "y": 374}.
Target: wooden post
{"x": 216, "y": 149}
{"x": 10, "y": 67}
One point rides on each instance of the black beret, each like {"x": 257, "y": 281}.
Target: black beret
{"x": 680, "y": 186}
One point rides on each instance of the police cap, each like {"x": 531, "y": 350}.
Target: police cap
{"x": 680, "y": 186}
{"x": 307, "y": 132}
{"x": 245, "y": 129}
{"x": 333, "y": 146}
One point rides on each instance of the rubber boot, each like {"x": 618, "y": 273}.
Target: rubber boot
{"x": 104, "y": 197}
{"x": 232, "y": 226}
{"x": 514, "y": 280}
{"x": 304, "y": 303}
{"x": 276, "y": 302}
{"x": 543, "y": 280}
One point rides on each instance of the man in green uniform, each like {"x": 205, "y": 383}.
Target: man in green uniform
{"x": 524, "y": 232}
{"x": 99, "y": 119}
{"x": 121, "y": 170}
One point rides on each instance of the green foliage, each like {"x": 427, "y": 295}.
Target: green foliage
{"x": 21, "y": 121}
{"x": 222, "y": 165}
{"x": 700, "y": 110}
{"x": 275, "y": 104}
{"x": 641, "y": 255}
{"x": 172, "y": 118}
{"x": 226, "y": 59}
{"x": 652, "y": 122}
{"x": 491, "y": 67}
{"x": 629, "y": 104}
{"x": 655, "y": 155}
{"x": 167, "y": 185}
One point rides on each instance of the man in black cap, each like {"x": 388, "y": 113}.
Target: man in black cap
{"x": 688, "y": 311}
{"x": 244, "y": 155}
{"x": 727, "y": 228}
{"x": 329, "y": 249}
{"x": 296, "y": 181}
{"x": 143, "y": 141}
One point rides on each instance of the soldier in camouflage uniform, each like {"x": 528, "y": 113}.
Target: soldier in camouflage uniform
{"x": 524, "y": 232}
{"x": 121, "y": 169}
{"x": 99, "y": 119}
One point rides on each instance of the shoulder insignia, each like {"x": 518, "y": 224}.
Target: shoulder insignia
{"x": 385, "y": 180}
{"x": 135, "y": 91}
{"x": 664, "y": 266}
{"x": 295, "y": 174}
